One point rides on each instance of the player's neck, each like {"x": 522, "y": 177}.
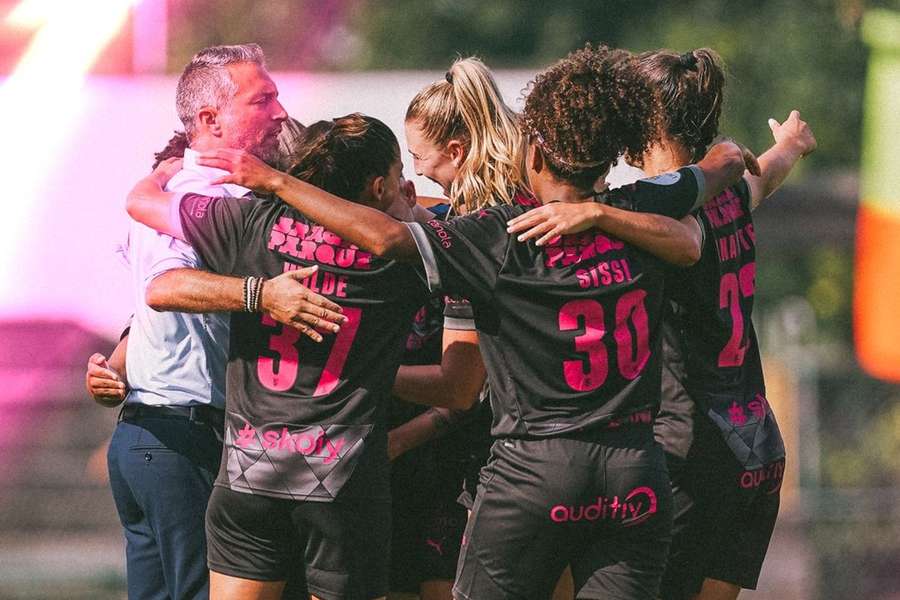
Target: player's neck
{"x": 665, "y": 156}
{"x": 548, "y": 189}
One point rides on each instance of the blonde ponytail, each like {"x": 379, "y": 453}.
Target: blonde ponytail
{"x": 468, "y": 107}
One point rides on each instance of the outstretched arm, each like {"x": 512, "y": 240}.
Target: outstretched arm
{"x": 368, "y": 228}
{"x": 793, "y": 140}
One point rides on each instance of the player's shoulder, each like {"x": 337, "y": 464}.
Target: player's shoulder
{"x": 188, "y": 180}
{"x": 737, "y": 194}
{"x": 501, "y": 212}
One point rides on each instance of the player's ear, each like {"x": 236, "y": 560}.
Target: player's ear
{"x": 378, "y": 187}
{"x": 374, "y": 194}
{"x": 457, "y": 152}
{"x": 535, "y": 158}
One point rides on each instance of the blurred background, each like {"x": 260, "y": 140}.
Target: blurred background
{"x": 87, "y": 95}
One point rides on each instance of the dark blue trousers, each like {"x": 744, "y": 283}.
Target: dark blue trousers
{"x": 161, "y": 471}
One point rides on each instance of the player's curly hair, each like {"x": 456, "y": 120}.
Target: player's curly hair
{"x": 690, "y": 88}
{"x": 175, "y": 148}
{"x": 343, "y": 155}
{"x": 587, "y": 110}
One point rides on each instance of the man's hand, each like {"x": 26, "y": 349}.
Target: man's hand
{"x": 103, "y": 383}
{"x": 166, "y": 170}
{"x": 243, "y": 168}
{"x": 288, "y": 301}
{"x": 794, "y": 133}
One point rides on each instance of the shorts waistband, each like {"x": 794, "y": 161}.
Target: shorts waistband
{"x": 199, "y": 413}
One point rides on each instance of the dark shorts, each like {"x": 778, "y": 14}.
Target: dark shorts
{"x": 601, "y": 504}
{"x": 343, "y": 547}
{"x": 425, "y": 545}
{"x": 724, "y": 516}
{"x": 428, "y": 522}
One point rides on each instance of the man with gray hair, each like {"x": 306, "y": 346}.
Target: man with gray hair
{"x": 165, "y": 452}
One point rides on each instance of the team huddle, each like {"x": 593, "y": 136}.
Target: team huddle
{"x": 534, "y": 387}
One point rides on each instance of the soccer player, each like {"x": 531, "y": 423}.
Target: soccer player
{"x": 569, "y": 334}
{"x": 726, "y": 456}
{"x": 305, "y": 461}
{"x": 461, "y": 135}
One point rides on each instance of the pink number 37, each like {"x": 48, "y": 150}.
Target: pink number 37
{"x": 279, "y": 373}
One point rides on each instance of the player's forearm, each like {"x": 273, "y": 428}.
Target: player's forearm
{"x": 370, "y": 229}
{"x": 195, "y": 291}
{"x": 425, "y": 384}
{"x": 775, "y": 164}
{"x": 419, "y": 430}
{"x": 670, "y": 240}
{"x": 149, "y": 204}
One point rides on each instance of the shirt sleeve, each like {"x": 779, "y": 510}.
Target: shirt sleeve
{"x": 215, "y": 228}
{"x": 127, "y": 329}
{"x": 675, "y": 194}
{"x": 463, "y": 255}
{"x": 742, "y": 189}
{"x": 458, "y": 314}
{"x": 152, "y": 253}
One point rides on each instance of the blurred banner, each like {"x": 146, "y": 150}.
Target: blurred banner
{"x": 877, "y": 281}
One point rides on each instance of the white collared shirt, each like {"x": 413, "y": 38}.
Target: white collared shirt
{"x": 175, "y": 358}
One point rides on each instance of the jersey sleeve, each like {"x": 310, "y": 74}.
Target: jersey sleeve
{"x": 215, "y": 228}
{"x": 742, "y": 189}
{"x": 458, "y": 314}
{"x": 675, "y": 194}
{"x": 463, "y": 255}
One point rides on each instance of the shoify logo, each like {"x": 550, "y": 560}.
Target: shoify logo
{"x": 308, "y": 443}
{"x": 634, "y": 508}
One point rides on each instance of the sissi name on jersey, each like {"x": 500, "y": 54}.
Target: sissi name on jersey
{"x": 314, "y": 243}
{"x": 575, "y": 249}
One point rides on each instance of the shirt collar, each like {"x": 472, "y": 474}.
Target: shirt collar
{"x": 210, "y": 173}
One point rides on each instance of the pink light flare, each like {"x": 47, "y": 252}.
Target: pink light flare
{"x": 41, "y": 102}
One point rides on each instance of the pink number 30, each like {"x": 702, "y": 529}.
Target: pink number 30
{"x": 279, "y": 373}
{"x": 632, "y": 350}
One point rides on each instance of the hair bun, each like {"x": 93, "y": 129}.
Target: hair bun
{"x": 688, "y": 60}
